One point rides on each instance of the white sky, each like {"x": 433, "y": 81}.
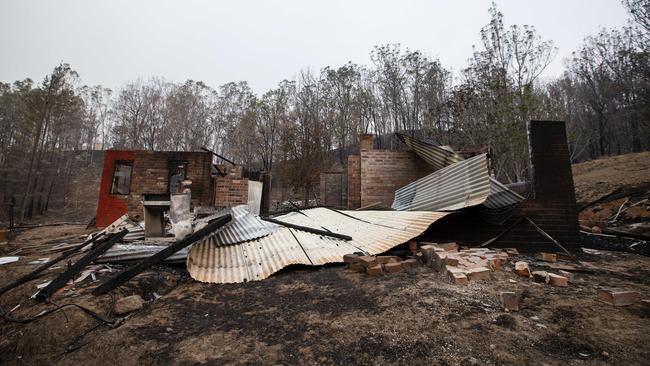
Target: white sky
{"x": 263, "y": 42}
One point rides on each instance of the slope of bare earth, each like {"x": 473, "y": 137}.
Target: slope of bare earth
{"x": 628, "y": 177}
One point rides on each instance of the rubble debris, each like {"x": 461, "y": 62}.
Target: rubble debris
{"x": 409, "y": 263}
{"x": 79, "y": 265}
{"x": 557, "y": 280}
{"x": 617, "y": 297}
{"x": 368, "y": 261}
{"x": 569, "y": 276}
{"x": 448, "y": 247}
{"x": 547, "y": 257}
{"x": 375, "y": 270}
{"x": 385, "y": 259}
{"x": 130, "y": 272}
{"x": 9, "y": 259}
{"x": 128, "y": 304}
{"x": 522, "y": 269}
{"x": 478, "y": 274}
{"x": 39, "y": 261}
{"x": 393, "y": 267}
{"x": 510, "y": 301}
{"x": 36, "y": 272}
{"x": 540, "y": 276}
{"x": 512, "y": 252}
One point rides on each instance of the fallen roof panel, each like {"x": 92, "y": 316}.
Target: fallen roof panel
{"x": 244, "y": 226}
{"x": 372, "y": 232}
{"x": 438, "y": 157}
{"x": 457, "y": 186}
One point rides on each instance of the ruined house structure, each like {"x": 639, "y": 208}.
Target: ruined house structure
{"x": 134, "y": 180}
{"x": 373, "y": 176}
{"x": 140, "y": 182}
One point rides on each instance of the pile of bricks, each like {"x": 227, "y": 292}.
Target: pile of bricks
{"x": 462, "y": 266}
{"x": 378, "y": 265}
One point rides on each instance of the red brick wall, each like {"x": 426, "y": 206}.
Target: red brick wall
{"x": 150, "y": 175}
{"x": 111, "y": 207}
{"x": 384, "y": 171}
{"x": 354, "y": 182}
{"x": 231, "y": 190}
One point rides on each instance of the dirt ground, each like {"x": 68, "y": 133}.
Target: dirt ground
{"x": 334, "y": 316}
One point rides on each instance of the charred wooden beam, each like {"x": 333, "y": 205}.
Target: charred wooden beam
{"x": 137, "y": 268}
{"x": 35, "y": 273}
{"x": 217, "y": 155}
{"x": 308, "y": 229}
{"x": 66, "y": 276}
{"x": 627, "y": 234}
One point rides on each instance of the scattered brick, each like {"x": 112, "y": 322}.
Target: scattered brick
{"x": 494, "y": 263}
{"x": 393, "y": 267}
{"x": 451, "y": 260}
{"x": 449, "y": 247}
{"x": 383, "y": 259}
{"x": 409, "y": 263}
{"x": 368, "y": 261}
{"x": 374, "y": 270}
{"x": 570, "y": 276}
{"x": 356, "y": 267}
{"x": 478, "y": 274}
{"x": 350, "y": 258}
{"x": 547, "y": 257}
{"x": 557, "y": 280}
{"x": 458, "y": 279}
{"x": 510, "y": 301}
{"x": 617, "y": 297}
{"x": 522, "y": 269}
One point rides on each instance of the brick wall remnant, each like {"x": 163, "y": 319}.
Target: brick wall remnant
{"x": 232, "y": 189}
{"x": 354, "y": 182}
{"x": 150, "y": 175}
{"x": 384, "y": 171}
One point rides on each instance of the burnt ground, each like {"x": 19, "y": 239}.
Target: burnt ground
{"x": 333, "y": 316}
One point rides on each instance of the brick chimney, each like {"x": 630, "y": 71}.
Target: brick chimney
{"x": 366, "y": 141}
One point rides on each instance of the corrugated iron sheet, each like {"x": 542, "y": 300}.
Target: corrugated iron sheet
{"x": 131, "y": 252}
{"x": 457, "y": 186}
{"x": 243, "y": 227}
{"x": 456, "y": 183}
{"x": 373, "y": 232}
{"x": 438, "y": 157}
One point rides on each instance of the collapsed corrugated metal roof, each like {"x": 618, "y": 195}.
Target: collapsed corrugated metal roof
{"x": 372, "y": 232}
{"x": 132, "y": 252}
{"x": 462, "y": 183}
{"x": 456, "y": 186}
{"x": 244, "y": 226}
{"x": 437, "y": 156}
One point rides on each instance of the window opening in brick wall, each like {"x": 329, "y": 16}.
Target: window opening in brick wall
{"x": 122, "y": 177}
{"x": 177, "y": 174}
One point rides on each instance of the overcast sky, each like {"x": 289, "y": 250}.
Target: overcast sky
{"x": 263, "y": 42}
